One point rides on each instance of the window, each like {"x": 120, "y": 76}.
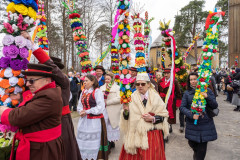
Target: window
{"x": 158, "y": 53}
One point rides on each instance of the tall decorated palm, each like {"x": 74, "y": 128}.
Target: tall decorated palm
{"x": 79, "y": 38}
{"x": 124, "y": 51}
{"x": 140, "y": 62}
{"x": 180, "y": 69}
{"x": 209, "y": 50}
{"x": 21, "y": 17}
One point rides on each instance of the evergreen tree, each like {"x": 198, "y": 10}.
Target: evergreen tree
{"x": 189, "y": 23}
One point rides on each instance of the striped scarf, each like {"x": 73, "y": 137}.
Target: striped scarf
{"x": 108, "y": 88}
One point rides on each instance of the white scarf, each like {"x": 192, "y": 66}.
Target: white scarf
{"x": 135, "y": 128}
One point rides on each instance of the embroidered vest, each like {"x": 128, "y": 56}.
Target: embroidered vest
{"x": 88, "y": 102}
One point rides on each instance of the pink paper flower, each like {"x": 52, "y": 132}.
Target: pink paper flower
{"x": 125, "y": 81}
{"x": 177, "y": 69}
{"x": 29, "y": 44}
{"x": 23, "y": 52}
{"x": 13, "y": 51}
{"x": 120, "y": 34}
{"x": 8, "y": 27}
{"x": 8, "y": 40}
{"x": 20, "y": 41}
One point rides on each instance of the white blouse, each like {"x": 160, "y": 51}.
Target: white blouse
{"x": 99, "y": 97}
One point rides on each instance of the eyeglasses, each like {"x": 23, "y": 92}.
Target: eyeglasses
{"x": 31, "y": 81}
{"x": 142, "y": 84}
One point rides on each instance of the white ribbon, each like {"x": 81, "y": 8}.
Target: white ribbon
{"x": 171, "y": 77}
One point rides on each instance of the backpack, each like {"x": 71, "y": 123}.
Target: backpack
{"x": 73, "y": 86}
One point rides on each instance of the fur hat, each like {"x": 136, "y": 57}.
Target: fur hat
{"x": 143, "y": 77}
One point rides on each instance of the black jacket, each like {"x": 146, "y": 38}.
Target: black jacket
{"x": 205, "y": 129}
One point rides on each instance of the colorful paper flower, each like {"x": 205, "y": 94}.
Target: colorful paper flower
{"x": 8, "y": 40}
{"x": 10, "y": 7}
{"x": 16, "y": 64}
{"x": 5, "y": 62}
{"x": 21, "y": 9}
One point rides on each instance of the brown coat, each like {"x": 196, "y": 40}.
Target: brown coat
{"x": 177, "y": 97}
{"x": 155, "y": 84}
{"x": 69, "y": 140}
{"x": 68, "y": 136}
{"x": 40, "y": 113}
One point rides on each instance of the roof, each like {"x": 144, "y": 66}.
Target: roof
{"x": 158, "y": 43}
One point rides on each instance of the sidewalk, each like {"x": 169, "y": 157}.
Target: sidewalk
{"x": 226, "y": 147}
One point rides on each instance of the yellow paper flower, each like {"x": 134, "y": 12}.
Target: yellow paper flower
{"x": 10, "y": 7}
{"x": 177, "y": 61}
{"x": 128, "y": 27}
{"x": 121, "y": 93}
{"x": 125, "y": 37}
{"x": 129, "y": 93}
{"x": 121, "y": 26}
{"x": 20, "y": 8}
{"x": 39, "y": 16}
{"x": 32, "y": 13}
{"x": 124, "y": 63}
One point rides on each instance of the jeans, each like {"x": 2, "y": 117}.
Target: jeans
{"x": 200, "y": 149}
{"x": 73, "y": 101}
{"x": 229, "y": 96}
{"x": 181, "y": 119}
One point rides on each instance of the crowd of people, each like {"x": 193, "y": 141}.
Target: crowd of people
{"x": 143, "y": 127}
{"x": 46, "y": 131}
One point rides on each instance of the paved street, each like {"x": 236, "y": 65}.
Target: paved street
{"x": 226, "y": 147}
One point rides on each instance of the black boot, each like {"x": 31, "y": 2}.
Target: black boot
{"x": 170, "y": 129}
{"x": 166, "y": 140}
{"x": 237, "y": 109}
{"x": 112, "y": 145}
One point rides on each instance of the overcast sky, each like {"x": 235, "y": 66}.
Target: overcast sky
{"x": 166, "y": 9}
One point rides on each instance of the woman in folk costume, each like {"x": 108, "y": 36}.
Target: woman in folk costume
{"x": 111, "y": 93}
{"x": 91, "y": 131}
{"x": 163, "y": 86}
{"x": 144, "y": 122}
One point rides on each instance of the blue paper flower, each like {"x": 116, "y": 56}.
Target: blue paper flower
{"x": 34, "y": 6}
{"x": 123, "y": 89}
{"x": 122, "y": 6}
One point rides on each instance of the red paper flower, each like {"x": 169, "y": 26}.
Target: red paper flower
{"x": 205, "y": 50}
{"x": 201, "y": 79}
{"x": 74, "y": 15}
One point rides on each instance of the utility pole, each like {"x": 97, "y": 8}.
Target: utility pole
{"x": 157, "y": 44}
